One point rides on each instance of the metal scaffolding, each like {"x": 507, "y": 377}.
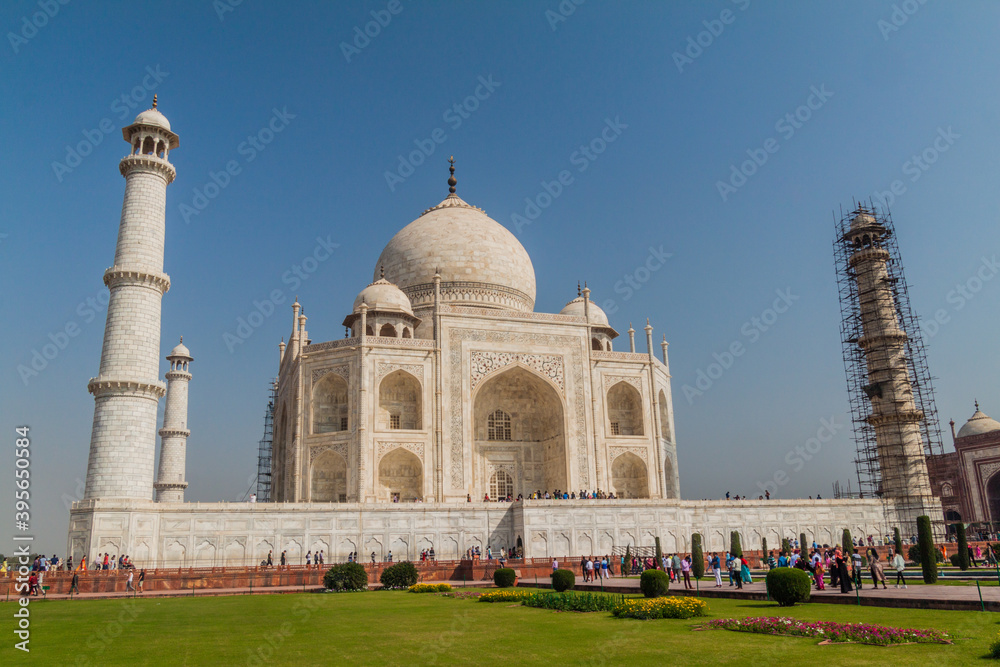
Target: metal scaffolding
{"x": 264, "y": 448}
{"x": 877, "y": 468}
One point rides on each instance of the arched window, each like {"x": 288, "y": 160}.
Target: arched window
{"x": 946, "y": 490}
{"x": 147, "y": 146}
{"x": 160, "y": 147}
{"x": 406, "y": 332}
{"x": 330, "y": 405}
{"x": 664, "y": 417}
{"x": 596, "y": 345}
{"x": 369, "y": 331}
{"x": 625, "y": 410}
{"x": 387, "y": 331}
{"x": 501, "y": 485}
{"x": 607, "y": 346}
{"x": 498, "y": 426}
{"x": 399, "y": 402}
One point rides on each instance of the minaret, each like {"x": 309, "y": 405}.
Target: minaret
{"x": 894, "y": 416}
{"x": 170, "y": 482}
{"x": 127, "y": 388}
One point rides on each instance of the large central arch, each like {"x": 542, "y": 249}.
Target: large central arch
{"x": 993, "y": 496}
{"x": 534, "y": 445}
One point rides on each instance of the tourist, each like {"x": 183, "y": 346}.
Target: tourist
{"x": 283, "y": 559}
{"x": 142, "y": 578}
{"x": 899, "y": 565}
{"x": 974, "y": 555}
{"x": 588, "y": 569}
{"x": 270, "y": 560}
{"x": 74, "y": 584}
{"x": 309, "y": 555}
{"x": 69, "y": 564}
{"x": 605, "y": 568}
{"x": 736, "y": 571}
{"x": 33, "y": 584}
{"x": 745, "y": 570}
{"x": 818, "y": 572}
{"x": 676, "y": 566}
{"x": 876, "y": 568}
{"x": 105, "y": 564}
{"x": 856, "y": 568}
{"x": 388, "y": 558}
{"x": 716, "y": 569}
{"x": 128, "y": 582}
{"x": 555, "y": 564}
{"x": 831, "y": 565}
{"x": 842, "y": 573}
{"x": 686, "y": 571}
{"x": 782, "y": 560}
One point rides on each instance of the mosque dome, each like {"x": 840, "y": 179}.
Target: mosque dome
{"x": 152, "y": 117}
{"x": 383, "y": 295}
{"x": 978, "y": 424}
{"x": 575, "y": 307}
{"x": 480, "y": 262}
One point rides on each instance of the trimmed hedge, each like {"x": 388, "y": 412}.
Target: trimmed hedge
{"x": 697, "y": 556}
{"x": 400, "y": 575}
{"x": 659, "y": 555}
{"x": 802, "y": 543}
{"x": 925, "y": 542}
{"x": 346, "y": 577}
{"x": 654, "y": 583}
{"x": 847, "y": 543}
{"x": 504, "y": 577}
{"x": 963, "y": 547}
{"x": 913, "y": 554}
{"x": 735, "y": 548}
{"x": 563, "y": 580}
{"x": 788, "y": 585}
{"x": 897, "y": 541}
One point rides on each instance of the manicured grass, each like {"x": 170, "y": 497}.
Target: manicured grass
{"x": 396, "y": 628}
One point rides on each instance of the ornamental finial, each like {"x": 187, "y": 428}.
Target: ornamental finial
{"x": 154, "y": 100}
{"x": 381, "y": 271}
{"x": 451, "y": 179}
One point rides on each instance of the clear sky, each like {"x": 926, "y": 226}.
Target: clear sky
{"x": 834, "y": 101}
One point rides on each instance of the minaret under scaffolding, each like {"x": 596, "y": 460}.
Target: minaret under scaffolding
{"x": 890, "y": 387}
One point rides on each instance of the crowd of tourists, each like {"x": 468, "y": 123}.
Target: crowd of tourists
{"x": 545, "y": 495}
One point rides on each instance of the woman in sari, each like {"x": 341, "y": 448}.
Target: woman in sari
{"x": 818, "y": 573}
{"x": 745, "y": 571}
{"x": 875, "y": 565}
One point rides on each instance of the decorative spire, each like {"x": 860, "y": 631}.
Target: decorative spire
{"x": 381, "y": 271}
{"x": 977, "y": 405}
{"x": 182, "y": 340}
{"x": 154, "y": 100}
{"x": 451, "y": 179}
{"x": 578, "y": 293}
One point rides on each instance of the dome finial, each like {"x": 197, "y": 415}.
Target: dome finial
{"x": 578, "y": 293}
{"x": 182, "y": 339}
{"x": 451, "y": 179}
{"x": 154, "y": 100}
{"x": 977, "y": 405}
{"x": 381, "y": 271}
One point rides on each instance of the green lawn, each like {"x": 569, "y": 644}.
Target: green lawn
{"x": 398, "y": 628}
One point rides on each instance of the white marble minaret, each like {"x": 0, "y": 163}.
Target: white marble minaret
{"x": 127, "y": 388}
{"x": 170, "y": 482}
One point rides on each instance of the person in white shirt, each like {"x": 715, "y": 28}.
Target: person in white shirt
{"x": 900, "y": 565}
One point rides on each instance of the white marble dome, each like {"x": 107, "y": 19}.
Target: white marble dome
{"x": 180, "y": 350}
{"x": 575, "y": 307}
{"x": 481, "y": 263}
{"x": 978, "y": 424}
{"x": 383, "y": 295}
{"x": 152, "y": 117}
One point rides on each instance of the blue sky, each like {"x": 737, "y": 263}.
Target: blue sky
{"x": 836, "y": 101}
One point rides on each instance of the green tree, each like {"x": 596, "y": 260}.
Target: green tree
{"x": 897, "y": 540}
{"x": 735, "y": 548}
{"x": 963, "y": 547}
{"x": 786, "y": 546}
{"x": 697, "y": 556}
{"x": 925, "y": 544}
{"x": 847, "y": 543}
{"x": 659, "y": 555}
{"x": 763, "y": 548}
{"x": 802, "y": 542}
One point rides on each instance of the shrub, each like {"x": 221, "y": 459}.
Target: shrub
{"x": 503, "y": 595}
{"x": 444, "y": 588}
{"x": 735, "y": 548}
{"x": 569, "y": 601}
{"x": 346, "y": 577}
{"x": 963, "y": 547}
{"x": 763, "y": 548}
{"x": 847, "y": 543}
{"x": 659, "y": 555}
{"x": 802, "y": 542}
{"x": 925, "y": 542}
{"x": 897, "y": 540}
{"x": 400, "y": 575}
{"x": 654, "y": 583}
{"x": 681, "y": 606}
{"x": 429, "y": 588}
{"x": 954, "y": 560}
{"x": 913, "y": 554}
{"x": 995, "y": 649}
{"x": 786, "y": 546}
{"x": 563, "y": 580}
{"x": 697, "y": 557}
{"x": 788, "y": 585}
{"x": 504, "y": 577}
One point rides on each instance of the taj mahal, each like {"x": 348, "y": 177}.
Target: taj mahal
{"x": 430, "y": 425}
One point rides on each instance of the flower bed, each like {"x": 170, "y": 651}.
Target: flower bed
{"x": 857, "y": 633}
{"x": 430, "y": 588}
{"x": 504, "y": 595}
{"x": 662, "y": 607}
{"x": 570, "y": 601}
